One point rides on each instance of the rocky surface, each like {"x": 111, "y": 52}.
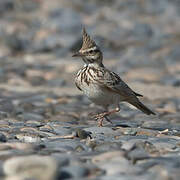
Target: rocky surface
{"x": 46, "y": 129}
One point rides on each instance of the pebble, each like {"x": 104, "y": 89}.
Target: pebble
{"x": 101, "y": 130}
{"x": 2, "y": 138}
{"x": 82, "y": 134}
{"x": 19, "y": 167}
{"x": 131, "y": 132}
{"x": 29, "y": 138}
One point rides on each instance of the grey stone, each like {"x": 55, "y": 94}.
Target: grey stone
{"x": 99, "y": 130}
{"x": 61, "y": 130}
{"x": 42, "y": 167}
{"x": 63, "y": 145}
{"x": 30, "y": 116}
{"x": 61, "y": 159}
{"x": 155, "y": 126}
{"x": 6, "y": 6}
{"x": 3, "y": 115}
{"x": 137, "y": 154}
{"x": 82, "y": 134}
{"x": 131, "y": 132}
{"x": 119, "y": 166}
{"x": 105, "y": 147}
{"x": 73, "y": 172}
{"x": 2, "y": 137}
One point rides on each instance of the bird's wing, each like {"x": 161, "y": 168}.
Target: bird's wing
{"x": 113, "y": 82}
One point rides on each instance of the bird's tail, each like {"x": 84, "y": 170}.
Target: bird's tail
{"x": 142, "y": 107}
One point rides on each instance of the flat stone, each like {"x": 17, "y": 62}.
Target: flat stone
{"x": 131, "y": 132}
{"x": 99, "y": 130}
{"x": 29, "y": 138}
{"x": 24, "y": 147}
{"x": 107, "y": 146}
{"x": 61, "y": 130}
{"x": 108, "y": 156}
{"x": 119, "y": 165}
{"x": 19, "y": 166}
{"x": 64, "y": 145}
{"x": 155, "y": 125}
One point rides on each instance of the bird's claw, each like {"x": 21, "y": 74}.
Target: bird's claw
{"x": 100, "y": 116}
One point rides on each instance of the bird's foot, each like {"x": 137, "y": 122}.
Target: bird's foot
{"x": 100, "y": 117}
{"x": 103, "y": 115}
{"x": 100, "y": 123}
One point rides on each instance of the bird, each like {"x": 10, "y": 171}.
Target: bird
{"x": 102, "y": 86}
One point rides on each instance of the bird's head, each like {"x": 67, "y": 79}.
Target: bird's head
{"x": 89, "y": 52}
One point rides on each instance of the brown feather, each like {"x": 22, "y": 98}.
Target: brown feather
{"x": 87, "y": 41}
{"x": 141, "y": 107}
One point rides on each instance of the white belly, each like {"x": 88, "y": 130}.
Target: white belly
{"x": 100, "y": 96}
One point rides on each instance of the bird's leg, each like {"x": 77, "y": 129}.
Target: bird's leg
{"x": 107, "y": 119}
{"x": 103, "y": 115}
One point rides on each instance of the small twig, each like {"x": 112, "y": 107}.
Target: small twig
{"x": 62, "y": 137}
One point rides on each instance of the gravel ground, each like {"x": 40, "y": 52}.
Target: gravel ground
{"x": 46, "y": 129}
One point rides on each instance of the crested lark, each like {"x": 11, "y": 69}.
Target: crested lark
{"x": 100, "y": 85}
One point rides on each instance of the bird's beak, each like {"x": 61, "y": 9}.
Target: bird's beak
{"x": 77, "y": 54}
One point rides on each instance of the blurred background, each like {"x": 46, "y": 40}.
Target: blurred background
{"x": 140, "y": 40}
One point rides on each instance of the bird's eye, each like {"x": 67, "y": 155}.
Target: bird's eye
{"x": 96, "y": 50}
{"x": 91, "y": 51}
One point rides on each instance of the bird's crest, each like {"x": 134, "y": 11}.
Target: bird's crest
{"x": 88, "y": 43}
